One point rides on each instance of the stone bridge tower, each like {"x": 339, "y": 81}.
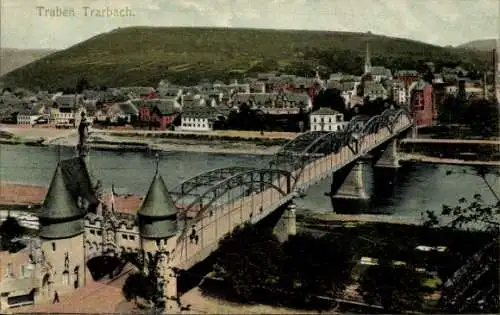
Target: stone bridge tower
{"x": 158, "y": 232}
{"x": 62, "y": 235}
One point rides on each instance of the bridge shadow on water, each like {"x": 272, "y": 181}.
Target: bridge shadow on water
{"x": 380, "y": 186}
{"x": 105, "y": 267}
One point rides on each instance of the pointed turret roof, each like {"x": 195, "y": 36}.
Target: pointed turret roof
{"x": 158, "y": 203}
{"x": 58, "y": 203}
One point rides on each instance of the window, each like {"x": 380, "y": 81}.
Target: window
{"x": 9, "y": 273}
{"x": 131, "y": 237}
{"x": 65, "y": 277}
{"x": 124, "y": 236}
{"x": 92, "y": 232}
{"x": 53, "y": 246}
{"x": 99, "y": 232}
{"x": 25, "y": 271}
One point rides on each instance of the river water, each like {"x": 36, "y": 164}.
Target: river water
{"x": 415, "y": 188}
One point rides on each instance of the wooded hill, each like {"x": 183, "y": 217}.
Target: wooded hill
{"x": 145, "y": 55}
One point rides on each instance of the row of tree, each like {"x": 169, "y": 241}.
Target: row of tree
{"x": 480, "y": 115}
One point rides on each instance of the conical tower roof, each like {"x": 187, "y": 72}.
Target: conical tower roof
{"x": 58, "y": 203}
{"x": 158, "y": 203}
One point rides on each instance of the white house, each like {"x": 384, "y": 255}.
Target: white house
{"x": 326, "y": 119}
{"x": 198, "y": 118}
{"x": 349, "y": 90}
{"x": 27, "y": 118}
{"x": 399, "y": 93}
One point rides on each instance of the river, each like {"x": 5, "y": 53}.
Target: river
{"x": 415, "y": 188}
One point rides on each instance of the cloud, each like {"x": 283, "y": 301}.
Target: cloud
{"x": 439, "y": 22}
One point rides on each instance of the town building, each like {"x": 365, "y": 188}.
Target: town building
{"x": 27, "y": 118}
{"x": 158, "y": 113}
{"x": 18, "y": 280}
{"x": 399, "y": 92}
{"x": 198, "y": 118}
{"x": 349, "y": 91}
{"x": 67, "y": 109}
{"x": 421, "y": 103}
{"x": 380, "y": 74}
{"x": 77, "y": 229}
{"x": 327, "y": 119}
{"x": 123, "y": 111}
{"x": 407, "y": 77}
{"x": 374, "y": 90}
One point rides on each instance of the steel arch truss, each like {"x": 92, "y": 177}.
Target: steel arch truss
{"x": 247, "y": 182}
{"x": 311, "y": 145}
{"x": 286, "y": 157}
{"x": 196, "y": 185}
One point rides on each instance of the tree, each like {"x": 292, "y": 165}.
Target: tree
{"x": 395, "y": 288}
{"x": 330, "y": 98}
{"x": 428, "y": 76}
{"x": 310, "y": 272}
{"x": 452, "y": 110}
{"x": 482, "y": 118}
{"x": 82, "y": 84}
{"x": 138, "y": 285}
{"x": 249, "y": 262}
{"x": 9, "y": 229}
{"x": 475, "y": 214}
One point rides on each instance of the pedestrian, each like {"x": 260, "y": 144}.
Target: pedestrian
{"x": 56, "y": 298}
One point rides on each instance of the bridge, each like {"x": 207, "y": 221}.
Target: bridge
{"x": 213, "y": 203}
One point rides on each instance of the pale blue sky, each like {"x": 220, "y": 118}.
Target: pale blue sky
{"x": 441, "y": 22}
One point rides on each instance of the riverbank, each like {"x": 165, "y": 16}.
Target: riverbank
{"x": 223, "y": 142}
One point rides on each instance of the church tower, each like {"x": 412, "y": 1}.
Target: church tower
{"x": 158, "y": 231}
{"x": 62, "y": 235}
{"x": 368, "y": 63}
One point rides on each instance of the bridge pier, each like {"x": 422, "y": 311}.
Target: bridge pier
{"x": 287, "y": 224}
{"x": 390, "y": 156}
{"x": 353, "y": 186}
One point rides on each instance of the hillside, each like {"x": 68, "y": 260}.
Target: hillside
{"x": 481, "y": 44}
{"x": 145, "y": 55}
{"x": 15, "y": 58}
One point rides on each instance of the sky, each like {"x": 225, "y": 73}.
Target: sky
{"x": 28, "y": 24}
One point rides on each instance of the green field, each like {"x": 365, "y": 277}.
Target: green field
{"x": 145, "y": 55}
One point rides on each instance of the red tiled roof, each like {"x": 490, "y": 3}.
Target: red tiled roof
{"x": 19, "y": 194}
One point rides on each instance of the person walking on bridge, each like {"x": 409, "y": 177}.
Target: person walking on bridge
{"x": 56, "y": 298}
